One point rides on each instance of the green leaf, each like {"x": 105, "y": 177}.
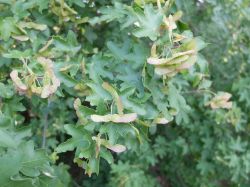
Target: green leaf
{"x": 178, "y": 102}
{"x": 104, "y": 153}
{"x": 80, "y": 139}
{"x": 93, "y": 165}
{"x": 5, "y": 121}
{"x": 149, "y": 23}
{"x": 71, "y": 144}
{"x": 158, "y": 97}
{"x": 116, "y": 131}
{"x": 7, "y": 27}
{"x": 6, "y": 91}
{"x": 99, "y": 94}
{"x": 200, "y": 44}
{"x": 32, "y": 161}
{"x": 109, "y": 14}
{"x": 130, "y": 104}
{"x": 18, "y": 54}
{"x": 6, "y": 140}
{"x": 23, "y": 160}
{"x": 10, "y": 166}
{"x": 98, "y": 68}
{"x": 69, "y": 44}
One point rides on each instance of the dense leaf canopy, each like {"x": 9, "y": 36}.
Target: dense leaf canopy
{"x": 124, "y": 93}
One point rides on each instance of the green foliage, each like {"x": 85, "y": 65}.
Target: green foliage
{"x": 121, "y": 91}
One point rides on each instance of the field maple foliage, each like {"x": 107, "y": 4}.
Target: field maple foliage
{"x": 124, "y": 93}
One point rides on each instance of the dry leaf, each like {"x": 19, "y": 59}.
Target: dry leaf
{"x": 32, "y": 25}
{"x": 21, "y": 38}
{"x": 221, "y": 100}
{"x": 183, "y": 58}
{"x": 116, "y": 118}
{"x": 50, "y": 81}
{"x": 117, "y": 148}
{"x": 161, "y": 121}
{"x": 20, "y": 86}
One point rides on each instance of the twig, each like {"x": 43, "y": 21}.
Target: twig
{"x": 45, "y": 125}
{"x": 199, "y": 92}
{"x": 75, "y": 184}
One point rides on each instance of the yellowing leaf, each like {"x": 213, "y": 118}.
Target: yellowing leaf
{"x": 170, "y": 23}
{"x": 32, "y": 25}
{"x": 177, "y": 15}
{"x": 36, "y": 90}
{"x": 178, "y": 37}
{"x": 77, "y": 103}
{"x": 153, "y": 50}
{"x": 21, "y": 38}
{"x": 164, "y": 70}
{"x": 46, "y": 46}
{"x": 117, "y": 98}
{"x": 161, "y": 121}
{"x": 142, "y": 2}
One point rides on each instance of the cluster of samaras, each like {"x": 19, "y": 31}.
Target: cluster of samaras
{"x": 181, "y": 56}
{"x": 30, "y": 83}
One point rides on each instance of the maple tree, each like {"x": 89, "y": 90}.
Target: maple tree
{"x": 117, "y": 85}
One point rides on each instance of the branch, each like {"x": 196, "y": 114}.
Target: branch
{"x": 45, "y": 125}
